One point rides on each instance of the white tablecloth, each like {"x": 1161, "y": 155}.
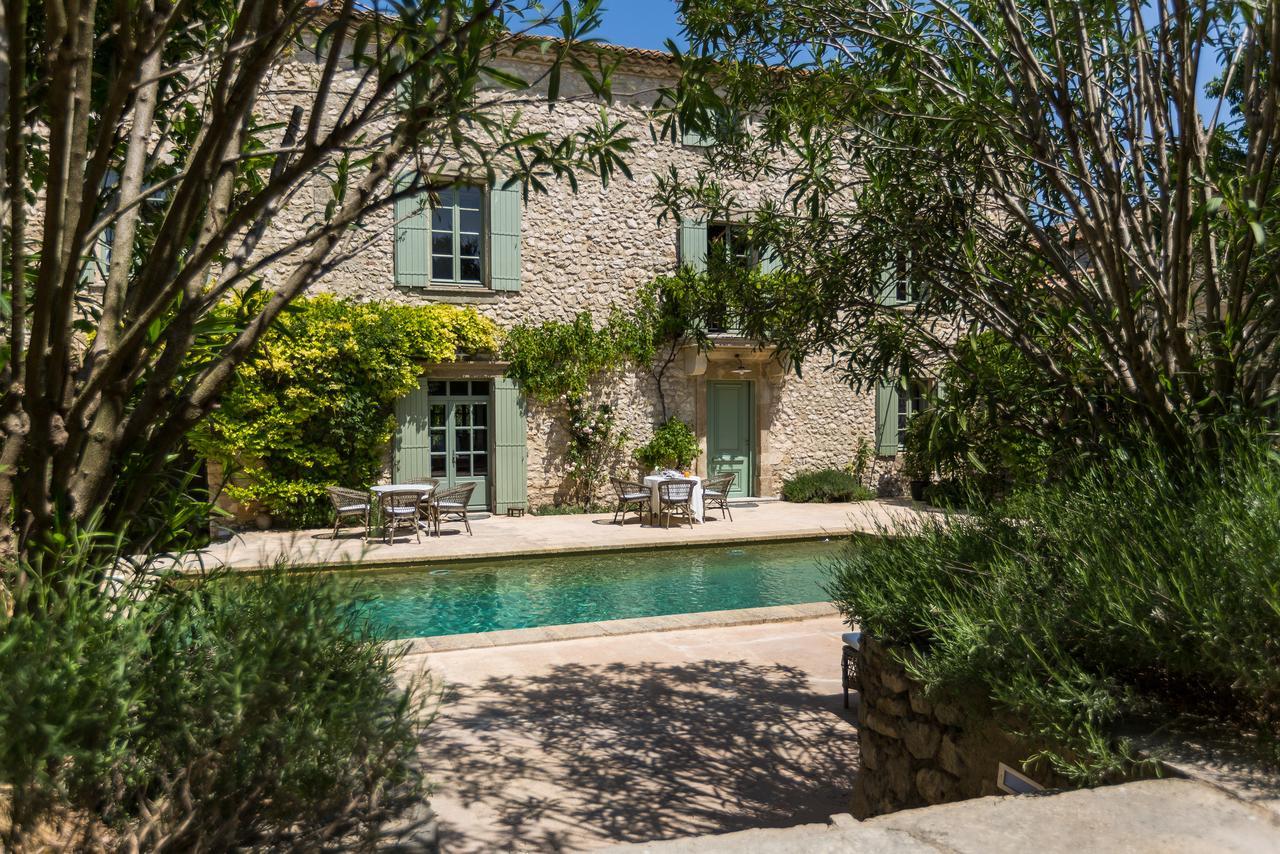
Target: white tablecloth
{"x": 655, "y": 505}
{"x": 424, "y": 488}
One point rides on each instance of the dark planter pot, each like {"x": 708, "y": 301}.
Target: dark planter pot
{"x": 917, "y": 489}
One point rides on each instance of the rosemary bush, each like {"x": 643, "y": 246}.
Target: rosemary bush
{"x": 825, "y": 486}
{"x": 202, "y": 715}
{"x": 1139, "y": 592}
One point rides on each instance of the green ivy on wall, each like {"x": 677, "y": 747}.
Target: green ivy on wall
{"x": 315, "y": 406}
{"x": 557, "y": 363}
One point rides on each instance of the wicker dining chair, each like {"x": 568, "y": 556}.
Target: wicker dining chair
{"x": 675, "y": 498}
{"x": 400, "y": 509}
{"x": 348, "y": 504}
{"x": 450, "y": 505}
{"x": 631, "y": 496}
{"x": 425, "y": 499}
{"x": 715, "y": 493}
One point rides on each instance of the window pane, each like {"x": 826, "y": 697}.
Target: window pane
{"x": 437, "y": 413}
{"x": 480, "y": 388}
{"x": 479, "y": 463}
{"x": 462, "y": 440}
{"x": 481, "y": 411}
{"x": 470, "y": 270}
{"x": 479, "y": 440}
{"x": 441, "y": 243}
{"x": 442, "y": 219}
{"x": 442, "y": 268}
{"x": 462, "y": 465}
{"x": 437, "y": 465}
{"x": 469, "y": 221}
{"x": 437, "y": 441}
{"x": 435, "y": 387}
{"x": 469, "y": 197}
{"x": 462, "y": 414}
{"x": 469, "y": 245}
{"x": 458, "y": 387}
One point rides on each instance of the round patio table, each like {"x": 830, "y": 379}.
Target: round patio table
{"x": 376, "y": 493}
{"x": 655, "y": 502}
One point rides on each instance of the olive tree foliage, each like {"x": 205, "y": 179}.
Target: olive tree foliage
{"x": 1047, "y": 171}
{"x": 159, "y": 141}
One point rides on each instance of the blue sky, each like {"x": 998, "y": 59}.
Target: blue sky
{"x": 639, "y": 23}
{"x": 648, "y": 23}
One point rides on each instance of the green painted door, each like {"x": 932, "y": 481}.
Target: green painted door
{"x": 442, "y": 432}
{"x": 730, "y": 437}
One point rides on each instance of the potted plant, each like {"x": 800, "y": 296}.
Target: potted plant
{"x": 916, "y": 465}
{"x": 673, "y": 446}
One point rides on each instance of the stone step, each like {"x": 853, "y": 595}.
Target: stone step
{"x": 1146, "y": 816}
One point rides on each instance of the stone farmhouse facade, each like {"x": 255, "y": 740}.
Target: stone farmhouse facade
{"x": 558, "y": 253}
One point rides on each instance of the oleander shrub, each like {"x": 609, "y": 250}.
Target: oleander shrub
{"x": 217, "y": 714}
{"x": 824, "y": 486}
{"x": 315, "y": 405}
{"x": 984, "y": 436}
{"x": 1131, "y": 593}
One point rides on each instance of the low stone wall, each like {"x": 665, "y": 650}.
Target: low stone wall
{"x": 916, "y": 753}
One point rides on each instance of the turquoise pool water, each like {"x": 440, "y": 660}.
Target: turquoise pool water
{"x": 550, "y": 591}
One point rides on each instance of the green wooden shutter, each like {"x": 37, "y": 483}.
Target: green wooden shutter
{"x": 769, "y": 261}
{"x": 689, "y": 136}
{"x": 413, "y": 242}
{"x": 504, "y": 238}
{"x": 411, "y": 457}
{"x": 693, "y": 245}
{"x": 889, "y": 284}
{"x": 510, "y": 457}
{"x": 889, "y": 287}
{"x": 887, "y": 419}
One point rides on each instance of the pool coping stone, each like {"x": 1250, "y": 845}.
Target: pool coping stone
{"x": 393, "y": 564}
{"x": 613, "y": 628}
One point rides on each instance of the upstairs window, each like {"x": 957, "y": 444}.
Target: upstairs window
{"x": 456, "y": 237}
{"x": 900, "y": 286}
{"x": 730, "y": 243}
{"x": 444, "y": 243}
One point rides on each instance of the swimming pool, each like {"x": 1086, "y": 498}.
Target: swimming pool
{"x": 554, "y": 590}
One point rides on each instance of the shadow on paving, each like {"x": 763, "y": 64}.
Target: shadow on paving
{"x": 629, "y": 753}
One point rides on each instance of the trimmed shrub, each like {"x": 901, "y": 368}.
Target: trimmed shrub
{"x": 203, "y": 715}
{"x": 1135, "y": 591}
{"x": 824, "y": 486}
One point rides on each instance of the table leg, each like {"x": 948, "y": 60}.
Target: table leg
{"x": 375, "y": 516}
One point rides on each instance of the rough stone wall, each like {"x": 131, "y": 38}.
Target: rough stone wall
{"x": 825, "y": 421}
{"x": 591, "y": 250}
{"x": 916, "y": 753}
{"x": 637, "y": 411}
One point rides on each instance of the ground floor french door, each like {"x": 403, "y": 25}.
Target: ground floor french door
{"x": 442, "y": 432}
{"x": 731, "y": 434}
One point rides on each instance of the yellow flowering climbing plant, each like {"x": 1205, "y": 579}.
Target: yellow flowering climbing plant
{"x": 315, "y": 405}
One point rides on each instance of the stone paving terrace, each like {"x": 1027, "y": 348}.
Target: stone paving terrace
{"x": 576, "y": 744}
{"x": 502, "y": 536}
